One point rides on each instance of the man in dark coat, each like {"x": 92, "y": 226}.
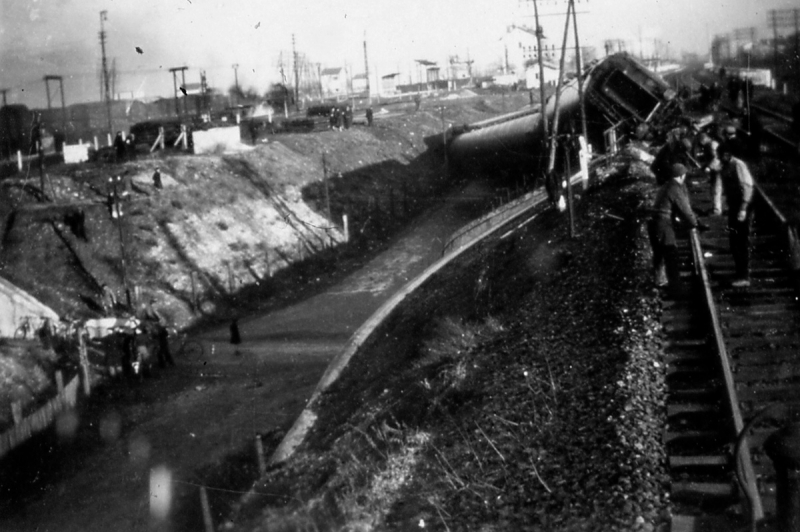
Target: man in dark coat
{"x": 369, "y": 116}
{"x": 671, "y": 200}
{"x": 157, "y": 179}
{"x": 675, "y": 151}
{"x": 119, "y": 147}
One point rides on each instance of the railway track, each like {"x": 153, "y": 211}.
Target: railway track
{"x": 730, "y": 353}
{"x": 777, "y": 126}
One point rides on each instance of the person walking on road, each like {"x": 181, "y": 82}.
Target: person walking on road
{"x": 738, "y": 184}
{"x": 671, "y": 199}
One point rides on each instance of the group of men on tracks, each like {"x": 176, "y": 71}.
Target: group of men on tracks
{"x": 720, "y": 155}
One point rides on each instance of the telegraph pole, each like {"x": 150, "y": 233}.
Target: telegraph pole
{"x": 47, "y": 80}
{"x": 174, "y": 72}
{"x": 541, "y": 70}
{"x": 296, "y": 77}
{"x": 236, "y": 80}
{"x": 106, "y": 88}
{"x": 579, "y": 67}
{"x": 366, "y": 65}
{"x": 8, "y": 137}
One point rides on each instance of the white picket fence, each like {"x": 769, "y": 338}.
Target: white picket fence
{"x": 39, "y": 420}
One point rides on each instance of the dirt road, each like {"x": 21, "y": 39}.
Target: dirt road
{"x": 186, "y": 421}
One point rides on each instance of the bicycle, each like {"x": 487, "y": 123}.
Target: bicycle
{"x": 181, "y": 346}
{"x": 27, "y": 330}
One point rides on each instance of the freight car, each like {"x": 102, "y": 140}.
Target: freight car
{"x": 620, "y": 94}
{"x": 15, "y": 130}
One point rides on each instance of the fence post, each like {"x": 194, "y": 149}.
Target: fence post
{"x": 84, "y": 361}
{"x": 262, "y": 464}
{"x": 194, "y": 292}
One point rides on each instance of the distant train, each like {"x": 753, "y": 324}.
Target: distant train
{"x": 620, "y": 94}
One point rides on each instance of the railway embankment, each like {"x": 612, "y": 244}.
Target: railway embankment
{"x": 523, "y": 387}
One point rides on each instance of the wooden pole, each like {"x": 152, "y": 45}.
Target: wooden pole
{"x": 327, "y": 192}
{"x": 551, "y": 163}
{"x": 262, "y": 464}
{"x": 541, "y": 70}
{"x": 579, "y": 67}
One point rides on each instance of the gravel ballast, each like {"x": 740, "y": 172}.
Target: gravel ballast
{"x": 542, "y": 415}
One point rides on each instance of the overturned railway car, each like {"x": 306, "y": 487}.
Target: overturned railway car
{"x": 620, "y": 95}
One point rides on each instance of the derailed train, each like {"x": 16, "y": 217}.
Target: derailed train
{"x": 620, "y": 95}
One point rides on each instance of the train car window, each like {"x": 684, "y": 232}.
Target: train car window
{"x": 630, "y": 95}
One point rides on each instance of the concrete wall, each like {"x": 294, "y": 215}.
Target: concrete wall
{"x": 16, "y": 305}
{"x": 208, "y": 141}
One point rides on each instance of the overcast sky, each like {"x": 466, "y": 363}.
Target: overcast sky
{"x": 60, "y": 37}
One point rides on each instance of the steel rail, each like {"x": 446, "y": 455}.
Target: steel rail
{"x": 772, "y": 207}
{"x": 754, "y": 498}
{"x": 771, "y": 113}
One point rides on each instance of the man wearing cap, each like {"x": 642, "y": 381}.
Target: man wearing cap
{"x": 737, "y": 183}
{"x": 671, "y": 200}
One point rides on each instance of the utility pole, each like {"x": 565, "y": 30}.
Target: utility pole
{"x": 236, "y": 80}
{"x": 47, "y": 80}
{"x": 366, "y": 66}
{"x": 106, "y": 88}
{"x": 5, "y": 125}
{"x": 543, "y": 111}
{"x": 783, "y": 18}
{"x": 319, "y": 80}
{"x": 204, "y": 95}
{"x": 579, "y": 67}
{"x": 774, "y": 15}
{"x": 296, "y": 77}
{"x": 174, "y": 72}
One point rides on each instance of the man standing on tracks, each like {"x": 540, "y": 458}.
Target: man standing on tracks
{"x": 738, "y": 184}
{"x": 671, "y": 199}
{"x": 711, "y": 166}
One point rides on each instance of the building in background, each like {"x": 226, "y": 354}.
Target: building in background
{"x": 334, "y": 82}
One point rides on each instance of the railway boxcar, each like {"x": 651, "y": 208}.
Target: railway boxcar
{"x": 15, "y": 125}
{"x": 619, "y": 92}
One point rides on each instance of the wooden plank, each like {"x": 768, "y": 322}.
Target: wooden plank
{"x": 774, "y": 372}
{"x": 703, "y": 489}
{"x": 764, "y": 357}
{"x": 709, "y": 460}
{"x": 692, "y": 408}
{"x": 706, "y": 523}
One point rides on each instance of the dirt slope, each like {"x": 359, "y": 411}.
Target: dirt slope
{"x": 222, "y": 223}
